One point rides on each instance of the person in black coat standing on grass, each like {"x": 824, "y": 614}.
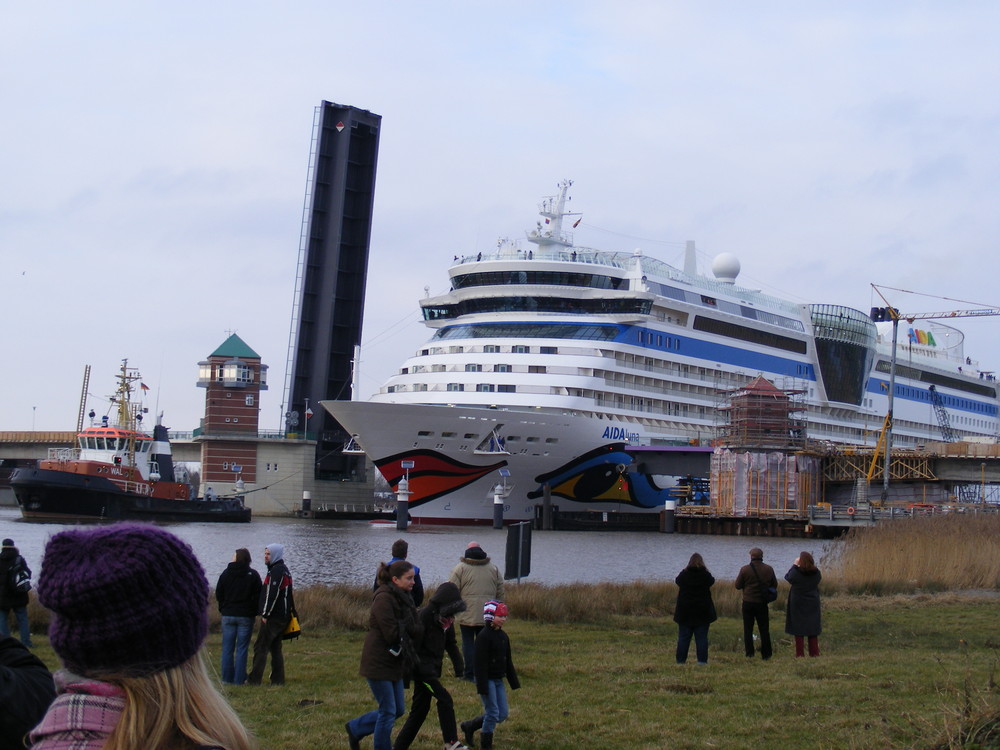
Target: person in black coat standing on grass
{"x": 14, "y": 569}
{"x": 802, "y": 613}
{"x": 695, "y": 610}
{"x": 238, "y": 595}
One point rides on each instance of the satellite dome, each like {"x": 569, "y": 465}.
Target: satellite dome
{"x": 726, "y": 267}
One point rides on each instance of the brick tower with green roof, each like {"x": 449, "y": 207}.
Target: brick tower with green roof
{"x": 233, "y": 378}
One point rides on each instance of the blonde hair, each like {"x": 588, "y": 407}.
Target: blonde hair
{"x": 176, "y": 709}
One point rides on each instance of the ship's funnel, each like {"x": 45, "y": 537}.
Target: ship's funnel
{"x": 160, "y": 453}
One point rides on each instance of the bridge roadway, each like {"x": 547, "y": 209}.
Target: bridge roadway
{"x": 846, "y": 516}
{"x": 967, "y": 469}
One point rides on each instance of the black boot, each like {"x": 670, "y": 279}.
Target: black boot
{"x": 469, "y": 728}
{"x": 487, "y": 740}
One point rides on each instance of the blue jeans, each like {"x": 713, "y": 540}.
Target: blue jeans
{"x": 469, "y": 633}
{"x": 494, "y": 705}
{"x": 236, "y": 632}
{"x": 389, "y": 695}
{"x": 21, "y": 613}
{"x": 700, "y": 633}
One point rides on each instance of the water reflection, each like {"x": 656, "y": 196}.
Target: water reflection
{"x": 326, "y": 552}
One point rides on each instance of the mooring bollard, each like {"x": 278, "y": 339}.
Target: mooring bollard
{"x": 402, "y": 504}
{"x": 669, "y": 510}
{"x": 497, "y": 510}
{"x": 546, "y": 507}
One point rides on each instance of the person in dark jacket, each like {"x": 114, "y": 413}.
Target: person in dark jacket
{"x": 754, "y": 580}
{"x": 238, "y": 595}
{"x": 437, "y": 637}
{"x": 400, "y": 549}
{"x": 26, "y": 690}
{"x": 802, "y": 613}
{"x": 493, "y": 663}
{"x": 695, "y": 610}
{"x": 11, "y": 563}
{"x": 388, "y": 654}
{"x": 276, "y": 605}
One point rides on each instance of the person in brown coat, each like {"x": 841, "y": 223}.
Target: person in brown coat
{"x": 754, "y": 580}
{"x": 388, "y": 654}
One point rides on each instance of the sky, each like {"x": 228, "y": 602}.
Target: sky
{"x": 153, "y": 160}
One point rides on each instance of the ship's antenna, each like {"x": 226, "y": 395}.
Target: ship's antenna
{"x": 553, "y": 209}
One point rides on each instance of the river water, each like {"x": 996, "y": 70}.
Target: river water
{"x": 326, "y": 552}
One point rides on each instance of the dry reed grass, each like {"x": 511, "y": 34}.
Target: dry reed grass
{"x": 929, "y": 553}
{"x": 893, "y": 564}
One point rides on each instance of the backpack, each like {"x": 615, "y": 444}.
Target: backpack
{"x": 19, "y": 578}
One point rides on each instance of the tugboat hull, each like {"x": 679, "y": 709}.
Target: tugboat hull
{"x": 59, "y": 496}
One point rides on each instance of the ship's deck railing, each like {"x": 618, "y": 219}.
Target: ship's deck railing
{"x": 136, "y": 488}
{"x": 570, "y": 254}
{"x": 259, "y": 435}
{"x": 652, "y": 267}
{"x": 64, "y": 454}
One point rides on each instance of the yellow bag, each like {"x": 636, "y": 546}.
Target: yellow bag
{"x": 294, "y": 630}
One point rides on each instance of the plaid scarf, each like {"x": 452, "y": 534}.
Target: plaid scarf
{"x": 82, "y": 716}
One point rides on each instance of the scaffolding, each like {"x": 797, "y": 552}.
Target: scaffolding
{"x": 759, "y": 415}
{"x": 759, "y": 484}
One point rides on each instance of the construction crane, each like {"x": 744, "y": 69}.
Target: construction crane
{"x": 942, "y": 416}
{"x": 890, "y": 313}
{"x": 83, "y": 398}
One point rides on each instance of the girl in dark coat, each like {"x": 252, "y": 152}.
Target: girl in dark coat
{"x": 388, "y": 654}
{"x": 802, "y": 613}
{"x": 695, "y": 610}
{"x": 437, "y": 637}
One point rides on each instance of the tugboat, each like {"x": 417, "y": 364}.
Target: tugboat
{"x": 117, "y": 472}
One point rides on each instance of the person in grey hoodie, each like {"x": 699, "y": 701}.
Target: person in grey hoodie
{"x": 276, "y": 605}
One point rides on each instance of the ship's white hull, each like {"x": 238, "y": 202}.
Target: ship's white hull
{"x": 581, "y": 459}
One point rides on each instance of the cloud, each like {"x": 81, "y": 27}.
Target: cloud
{"x": 155, "y": 161}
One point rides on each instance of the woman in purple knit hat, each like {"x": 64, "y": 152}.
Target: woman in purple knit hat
{"x": 129, "y": 607}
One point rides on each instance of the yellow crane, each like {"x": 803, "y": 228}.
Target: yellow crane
{"x": 890, "y": 313}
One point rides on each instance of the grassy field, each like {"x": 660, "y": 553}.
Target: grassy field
{"x": 910, "y": 659}
{"x": 903, "y": 671}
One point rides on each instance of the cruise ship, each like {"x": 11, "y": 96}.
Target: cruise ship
{"x": 548, "y": 362}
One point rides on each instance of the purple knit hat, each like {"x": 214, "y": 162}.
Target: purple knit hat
{"x": 127, "y": 599}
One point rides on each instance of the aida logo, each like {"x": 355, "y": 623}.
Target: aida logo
{"x": 922, "y": 337}
{"x": 620, "y": 433}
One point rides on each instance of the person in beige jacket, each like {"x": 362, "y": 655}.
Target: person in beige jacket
{"x": 478, "y": 582}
